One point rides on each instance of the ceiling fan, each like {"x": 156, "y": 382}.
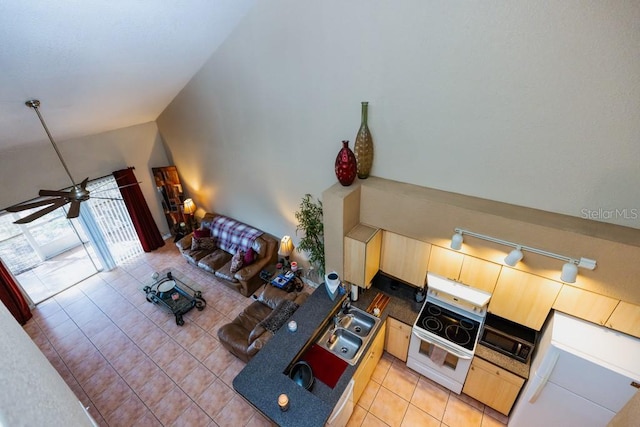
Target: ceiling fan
{"x": 55, "y": 199}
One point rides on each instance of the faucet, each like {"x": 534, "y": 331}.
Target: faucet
{"x": 346, "y": 305}
{"x": 336, "y": 321}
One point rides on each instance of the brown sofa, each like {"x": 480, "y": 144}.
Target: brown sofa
{"x": 227, "y": 237}
{"x": 255, "y": 326}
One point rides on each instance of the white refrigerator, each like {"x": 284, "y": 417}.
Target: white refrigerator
{"x": 581, "y": 375}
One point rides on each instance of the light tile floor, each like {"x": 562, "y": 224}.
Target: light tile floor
{"x": 57, "y": 274}
{"x": 128, "y": 361}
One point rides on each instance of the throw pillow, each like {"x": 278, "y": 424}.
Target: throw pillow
{"x": 202, "y": 232}
{"x": 236, "y": 262}
{"x": 202, "y": 243}
{"x": 279, "y": 315}
{"x": 249, "y": 257}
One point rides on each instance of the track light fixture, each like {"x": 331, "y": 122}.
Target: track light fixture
{"x": 569, "y": 269}
{"x": 456, "y": 241}
{"x": 514, "y": 257}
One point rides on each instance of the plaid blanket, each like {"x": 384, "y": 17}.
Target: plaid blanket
{"x": 231, "y": 235}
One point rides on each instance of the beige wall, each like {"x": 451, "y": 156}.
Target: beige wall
{"x": 431, "y": 216}
{"x": 531, "y": 103}
{"x": 25, "y": 170}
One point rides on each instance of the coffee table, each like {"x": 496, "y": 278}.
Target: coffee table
{"x": 175, "y": 295}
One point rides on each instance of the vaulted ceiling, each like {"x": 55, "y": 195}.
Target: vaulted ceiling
{"x": 101, "y": 65}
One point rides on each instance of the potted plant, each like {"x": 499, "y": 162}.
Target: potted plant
{"x": 310, "y": 222}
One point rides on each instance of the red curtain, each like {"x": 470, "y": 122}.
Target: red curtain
{"x": 12, "y": 297}
{"x": 143, "y": 222}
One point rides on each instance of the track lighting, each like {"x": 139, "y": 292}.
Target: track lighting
{"x": 514, "y": 257}
{"x": 456, "y": 241}
{"x": 569, "y": 273}
{"x": 569, "y": 270}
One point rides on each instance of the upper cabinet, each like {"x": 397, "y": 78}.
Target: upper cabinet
{"x": 445, "y": 263}
{"x": 626, "y": 318}
{"x": 523, "y": 298}
{"x": 584, "y": 304}
{"x": 404, "y": 258}
{"x": 466, "y": 269}
{"x": 362, "y": 246}
{"x": 479, "y": 273}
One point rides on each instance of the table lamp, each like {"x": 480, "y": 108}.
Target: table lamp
{"x": 189, "y": 208}
{"x": 286, "y": 248}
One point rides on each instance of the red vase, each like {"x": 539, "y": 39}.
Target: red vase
{"x": 346, "y": 166}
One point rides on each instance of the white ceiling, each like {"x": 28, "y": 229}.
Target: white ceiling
{"x": 101, "y": 65}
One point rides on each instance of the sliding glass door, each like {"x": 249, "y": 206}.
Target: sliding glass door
{"x": 53, "y": 253}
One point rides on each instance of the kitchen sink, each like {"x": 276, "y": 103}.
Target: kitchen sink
{"x": 358, "y": 321}
{"x": 342, "y": 342}
{"x": 347, "y": 334}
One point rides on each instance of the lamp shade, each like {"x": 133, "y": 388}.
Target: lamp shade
{"x": 569, "y": 273}
{"x": 189, "y": 206}
{"x": 456, "y": 241}
{"x": 286, "y": 246}
{"x": 514, "y": 257}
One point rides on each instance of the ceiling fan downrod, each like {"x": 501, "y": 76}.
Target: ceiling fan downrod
{"x": 34, "y": 103}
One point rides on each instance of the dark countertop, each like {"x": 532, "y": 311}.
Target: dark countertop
{"x": 262, "y": 380}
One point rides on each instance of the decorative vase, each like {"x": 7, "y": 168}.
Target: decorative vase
{"x": 346, "y": 165}
{"x": 364, "y": 146}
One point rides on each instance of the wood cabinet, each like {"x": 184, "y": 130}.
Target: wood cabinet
{"x": 492, "y": 385}
{"x": 404, "y": 258}
{"x": 466, "y": 269}
{"x": 445, "y": 262}
{"x": 584, "y": 304}
{"x": 523, "y": 298}
{"x": 625, "y": 318}
{"x": 368, "y": 364}
{"x": 479, "y": 273}
{"x": 397, "y": 340}
{"x": 362, "y": 247}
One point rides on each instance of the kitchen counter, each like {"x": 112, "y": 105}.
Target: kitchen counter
{"x": 505, "y": 362}
{"x": 262, "y": 380}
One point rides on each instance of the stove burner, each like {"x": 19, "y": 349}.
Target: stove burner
{"x": 458, "y": 334}
{"x": 466, "y": 324}
{"x": 430, "y": 323}
{"x": 434, "y": 310}
{"x": 454, "y": 325}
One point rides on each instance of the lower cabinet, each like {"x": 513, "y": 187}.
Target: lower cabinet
{"x": 492, "y": 385}
{"x": 369, "y": 362}
{"x": 397, "y": 340}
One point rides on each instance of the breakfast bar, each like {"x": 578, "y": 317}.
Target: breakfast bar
{"x": 263, "y": 379}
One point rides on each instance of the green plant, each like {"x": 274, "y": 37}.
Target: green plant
{"x": 310, "y": 222}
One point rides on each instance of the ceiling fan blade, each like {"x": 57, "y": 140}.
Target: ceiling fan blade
{"x": 41, "y": 212}
{"x": 24, "y": 206}
{"x": 83, "y": 184}
{"x": 74, "y": 209}
{"x": 54, "y": 193}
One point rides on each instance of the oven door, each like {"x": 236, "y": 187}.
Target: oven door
{"x": 437, "y": 360}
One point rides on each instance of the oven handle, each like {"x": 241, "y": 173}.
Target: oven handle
{"x": 445, "y": 347}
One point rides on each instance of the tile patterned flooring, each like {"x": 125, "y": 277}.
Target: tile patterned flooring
{"x": 131, "y": 365}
